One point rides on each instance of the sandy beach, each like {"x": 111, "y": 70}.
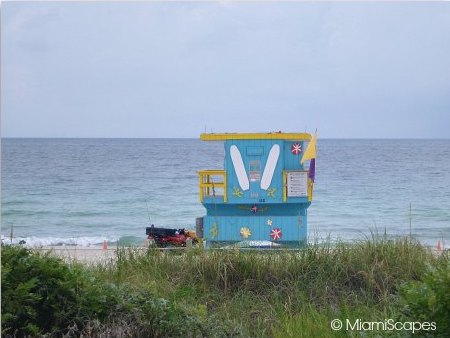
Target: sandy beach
{"x": 87, "y": 255}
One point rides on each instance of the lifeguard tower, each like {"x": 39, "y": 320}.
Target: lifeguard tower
{"x": 261, "y": 197}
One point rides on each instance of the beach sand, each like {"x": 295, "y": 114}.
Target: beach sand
{"x": 86, "y": 255}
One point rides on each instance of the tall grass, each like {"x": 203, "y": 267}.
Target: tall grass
{"x": 368, "y": 270}
{"x": 262, "y": 293}
{"x": 227, "y": 293}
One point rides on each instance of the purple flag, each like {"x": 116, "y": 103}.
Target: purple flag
{"x": 312, "y": 169}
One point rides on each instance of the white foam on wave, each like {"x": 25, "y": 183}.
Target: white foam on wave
{"x": 34, "y": 241}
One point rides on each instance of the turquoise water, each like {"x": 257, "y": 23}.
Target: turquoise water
{"x": 82, "y": 191}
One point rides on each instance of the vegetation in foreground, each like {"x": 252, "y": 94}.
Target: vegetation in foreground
{"x": 228, "y": 293}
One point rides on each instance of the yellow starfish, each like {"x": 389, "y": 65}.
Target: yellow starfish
{"x": 245, "y": 232}
{"x": 237, "y": 192}
{"x": 271, "y": 192}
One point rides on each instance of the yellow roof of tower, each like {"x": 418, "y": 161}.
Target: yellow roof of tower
{"x": 255, "y": 136}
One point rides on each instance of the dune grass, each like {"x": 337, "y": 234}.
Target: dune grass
{"x": 227, "y": 293}
{"x": 279, "y": 293}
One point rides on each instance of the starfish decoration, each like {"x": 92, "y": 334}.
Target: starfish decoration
{"x": 245, "y": 232}
{"x": 276, "y": 234}
{"x": 271, "y": 192}
{"x": 246, "y": 207}
{"x": 254, "y": 209}
{"x": 237, "y": 192}
{"x": 214, "y": 231}
{"x": 296, "y": 148}
{"x": 269, "y": 222}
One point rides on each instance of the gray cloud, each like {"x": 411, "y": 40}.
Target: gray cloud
{"x": 170, "y": 69}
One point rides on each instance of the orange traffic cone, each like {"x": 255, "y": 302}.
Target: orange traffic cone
{"x": 439, "y": 247}
{"x": 105, "y": 245}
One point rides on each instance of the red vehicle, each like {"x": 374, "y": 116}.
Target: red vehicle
{"x": 170, "y": 237}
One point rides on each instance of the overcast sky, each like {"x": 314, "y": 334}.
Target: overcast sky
{"x": 110, "y": 69}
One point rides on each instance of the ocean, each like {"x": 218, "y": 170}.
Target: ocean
{"x": 85, "y": 191}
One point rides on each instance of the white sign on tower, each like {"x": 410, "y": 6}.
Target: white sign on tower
{"x": 297, "y": 183}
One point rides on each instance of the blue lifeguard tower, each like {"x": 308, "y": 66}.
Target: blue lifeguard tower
{"x": 262, "y": 195}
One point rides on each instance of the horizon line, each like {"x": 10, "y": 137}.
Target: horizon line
{"x": 198, "y": 138}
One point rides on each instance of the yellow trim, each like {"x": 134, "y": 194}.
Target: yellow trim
{"x": 206, "y": 185}
{"x": 211, "y": 172}
{"x": 255, "y": 136}
{"x": 284, "y": 186}
{"x": 200, "y": 181}
{"x": 310, "y": 189}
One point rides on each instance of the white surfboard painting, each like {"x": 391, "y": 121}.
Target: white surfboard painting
{"x": 239, "y": 168}
{"x": 271, "y": 164}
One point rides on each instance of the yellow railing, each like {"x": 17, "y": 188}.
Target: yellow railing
{"x": 310, "y": 189}
{"x": 213, "y": 183}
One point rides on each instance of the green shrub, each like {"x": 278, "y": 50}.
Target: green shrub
{"x": 428, "y": 300}
{"x": 42, "y": 295}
